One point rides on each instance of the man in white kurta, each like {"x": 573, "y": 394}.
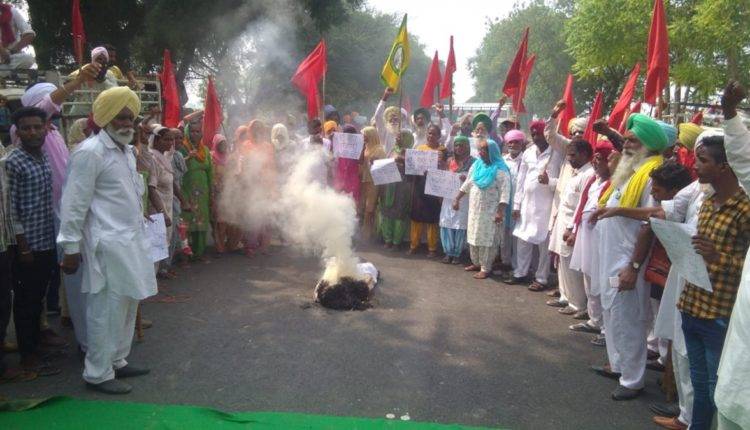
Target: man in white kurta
{"x": 102, "y": 224}
{"x": 682, "y": 208}
{"x": 733, "y": 386}
{"x": 532, "y": 204}
{"x": 624, "y": 292}
{"x": 515, "y": 141}
{"x": 579, "y": 154}
{"x": 389, "y": 121}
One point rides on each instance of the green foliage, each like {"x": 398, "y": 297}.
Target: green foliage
{"x": 493, "y": 58}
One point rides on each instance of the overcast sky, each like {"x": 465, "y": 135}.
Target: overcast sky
{"x": 434, "y": 21}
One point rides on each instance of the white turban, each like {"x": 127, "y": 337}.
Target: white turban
{"x": 577, "y": 124}
{"x": 36, "y": 94}
{"x": 110, "y": 102}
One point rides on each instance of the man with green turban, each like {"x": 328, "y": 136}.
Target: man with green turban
{"x": 622, "y": 249}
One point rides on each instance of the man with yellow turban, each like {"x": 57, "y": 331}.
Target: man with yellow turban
{"x": 622, "y": 249}
{"x": 102, "y": 225}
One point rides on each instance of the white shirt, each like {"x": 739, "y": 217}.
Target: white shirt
{"x": 584, "y": 257}
{"x": 21, "y": 27}
{"x": 617, "y": 239}
{"x": 733, "y": 386}
{"x": 102, "y": 217}
{"x": 569, "y": 198}
{"x": 532, "y": 198}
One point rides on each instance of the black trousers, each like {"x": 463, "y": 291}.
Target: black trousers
{"x": 31, "y": 286}
{"x": 5, "y": 301}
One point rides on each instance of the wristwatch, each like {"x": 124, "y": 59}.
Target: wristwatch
{"x": 635, "y": 265}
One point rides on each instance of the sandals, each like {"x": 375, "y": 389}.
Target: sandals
{"x": 472, "y": 268}
{"x": 481, "y": 275}
{"x": 537, "y": 286}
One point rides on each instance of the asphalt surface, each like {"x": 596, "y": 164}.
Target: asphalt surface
{"x": 438, "y": 346}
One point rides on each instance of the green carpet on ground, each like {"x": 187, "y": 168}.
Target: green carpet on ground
{"x": 60, "y": 413}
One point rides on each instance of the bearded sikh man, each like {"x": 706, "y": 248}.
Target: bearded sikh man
{"x": 532, "y": 204}
{"x": 389, "y": 121}
{"x": 102, "y": 225}
{"x": 622, "y": 251}
{"x": 579, "y": 153}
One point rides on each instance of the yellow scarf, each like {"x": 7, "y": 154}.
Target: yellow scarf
{"x": 632, "y": 194}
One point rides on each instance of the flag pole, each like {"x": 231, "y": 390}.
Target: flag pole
{"x": 321, "y": 110}
{"x": 400, "y": 103}
{"x": 450, "y": 104}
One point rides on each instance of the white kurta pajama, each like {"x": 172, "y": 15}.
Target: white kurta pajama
{"x": 733, "y": 386}
{"x": 684, "y": 207}
{"x": 585, "y": 256}
{"x": 627, "y": 314}
{"x": 483, "y": 234}
{"x": 534, "y": 201}
{"x": 509, "y": 249}
{"x": 571, "y": 281}
{"x": 102, "y": 218}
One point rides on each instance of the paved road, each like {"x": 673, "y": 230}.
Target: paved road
{"x": 438, "y": 346}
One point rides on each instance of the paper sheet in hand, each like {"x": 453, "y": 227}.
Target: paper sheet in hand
{"x": 473, "y": 148}
{"x": 347, "y": 145}
{"x": 418, "y": 162}
{"x": 384, "y": 171}
{"x": 156, "y": 234}
{"x": 442, "y": 183}
{"x": 677, "y": 240}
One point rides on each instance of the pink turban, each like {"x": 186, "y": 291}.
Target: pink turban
{"x": 604, "y": 147}
{"x": 99, "y": 50}
{"x": 537, "y": 126}
{"x": 514, "y": 135}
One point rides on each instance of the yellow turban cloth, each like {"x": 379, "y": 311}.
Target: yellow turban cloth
{"x": 110, "y": 102}
{"x": 329, "y": 126}
{"x": 688, "y": 133}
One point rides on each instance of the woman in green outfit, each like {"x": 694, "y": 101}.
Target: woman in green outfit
{"x": 196, "y": 186}
{"x": 395, "y": 198}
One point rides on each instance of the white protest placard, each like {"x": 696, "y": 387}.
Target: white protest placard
{"x": 156, "y": 234}
{"x": 473, "y": 147}
{"x": 442, "y": 183}
{"x": 348, "y": 145}
{"x": 418, "y": 162}
{"x": 677, "y": 241}
{"x": 385, "y": 171}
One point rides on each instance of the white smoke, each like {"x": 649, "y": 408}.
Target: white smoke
{"x": 297, "y": 206}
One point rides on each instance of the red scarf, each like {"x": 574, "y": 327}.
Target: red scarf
{"x": 6, "y": 24}
{"x": 585, "y": 198}
{"x": 686, "y": 157}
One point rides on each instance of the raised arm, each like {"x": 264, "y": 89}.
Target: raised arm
{"x": 737, "y": 137}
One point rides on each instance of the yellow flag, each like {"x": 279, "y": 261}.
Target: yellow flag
{"x": 398, "y": 59}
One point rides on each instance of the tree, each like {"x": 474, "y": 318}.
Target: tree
{"x": 494, "y": 56}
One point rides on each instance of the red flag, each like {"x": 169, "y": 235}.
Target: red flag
{"x": 697, "y": 118}
{"x": 521, "y": 93}
{"x": 596, "y": 112}
{"x": 170, "y": 95}
{"x": 570, "y": 109}
{"x": 430, "y": 83}
{"x": 636, "y": 107}
{"x": 617, "y": 116}
{"x": 515, "y": 72}
{"x": 79, "y": 35}
{"x": 446, "y": 88}
{"x": 309, "y": 72}
{"x": 657, "y": 76}
{"x": 212, "y": 116}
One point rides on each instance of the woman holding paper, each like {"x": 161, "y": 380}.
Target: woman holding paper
{"x": 346, "y": 175}
{"x": 489, "y": 188}
{"x": 453, "y": 222}
{"x": 395, "y": 198}
{"x": 425, "y": 209}
{"x": 368, "y": 190}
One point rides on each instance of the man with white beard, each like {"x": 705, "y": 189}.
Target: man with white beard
{"x": 622, "y": 250}
{"x": 532, "y": 203}
{"x": 102, "y": 224}
{"x": 389, "y": 121}
{"x": 515, "y": 141}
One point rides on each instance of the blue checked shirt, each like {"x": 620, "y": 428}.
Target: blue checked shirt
{"x": 30, "y": 186}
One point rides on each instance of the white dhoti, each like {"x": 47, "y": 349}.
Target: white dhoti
{"x": 76, "y": 306}
{"x": 593, "y": 305}
{"x": 111, "y": 321}
{"x": 20, "y": 60}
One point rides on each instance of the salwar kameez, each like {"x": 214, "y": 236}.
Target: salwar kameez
{"x": 425, "y": 212}
{"x": 453, "y": 223}
{"x": 395, "y": 204}
{"x": 196, "y": 188}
